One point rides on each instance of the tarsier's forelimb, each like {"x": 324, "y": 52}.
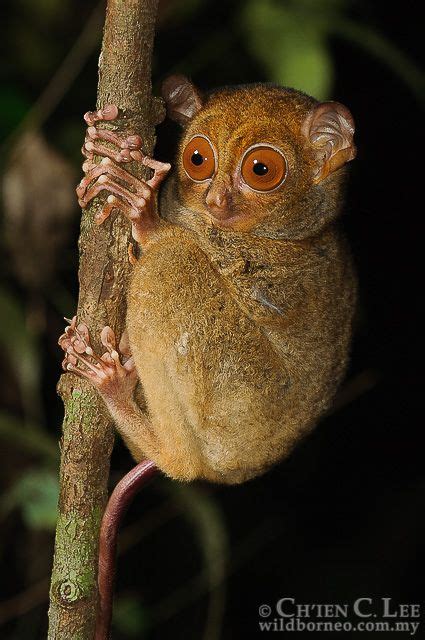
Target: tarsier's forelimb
{"x": 134, "y": 197}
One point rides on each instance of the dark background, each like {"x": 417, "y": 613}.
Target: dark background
{"x": 343, "y": 518}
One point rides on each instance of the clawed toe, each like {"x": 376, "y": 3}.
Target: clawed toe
{"x": 106, "y": 372}
{"x": 79, "y": 354}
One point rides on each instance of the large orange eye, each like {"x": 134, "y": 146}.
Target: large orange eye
{"x": 199, "y": 159}
{"x": 263, "y": 168}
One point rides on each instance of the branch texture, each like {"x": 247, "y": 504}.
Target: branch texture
{"x": 87, "y": 441}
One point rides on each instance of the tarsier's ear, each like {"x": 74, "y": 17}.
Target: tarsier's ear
{"x": 329, "y": 128}
{"x": 182, "y": 99}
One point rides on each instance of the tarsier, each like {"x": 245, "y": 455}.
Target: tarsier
{"x": 240, "y": 306}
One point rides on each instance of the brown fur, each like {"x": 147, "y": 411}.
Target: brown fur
{"x": 240, "y": 334}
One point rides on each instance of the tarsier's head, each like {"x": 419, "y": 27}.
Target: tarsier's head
{"x": 259, "y": 154}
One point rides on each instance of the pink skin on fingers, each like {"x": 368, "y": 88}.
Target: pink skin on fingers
{"x": 102, "y": 184}
{"x": 78, "y": 372}
{"x": 76, "y": 341}
{"x": 88, "y": 165}
{"x": 113, "y": 380}
{"x": 91, "y": 149}
{"x": 134, "y": 215}
{"x": 107, "y": 338}
{"x": 160, "y": 171}
{"x": 83, "y": 359}
{"x": 107, "y": 167}
{"x": 129, "y": 365}
{"x": 132, "y": 196}
{"x": 140, "y": 226}
{"x": 128, "y": 142}
{"x": 108, "y": 112}
{"x": 124, "y": 344}
{"x": 105, "y": 211}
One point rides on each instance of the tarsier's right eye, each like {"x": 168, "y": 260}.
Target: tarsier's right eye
{"x": 199, "y": 159}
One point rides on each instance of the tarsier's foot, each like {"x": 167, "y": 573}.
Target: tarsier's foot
{"x": 107, "y": 374}
{"x": 136, "y": 198}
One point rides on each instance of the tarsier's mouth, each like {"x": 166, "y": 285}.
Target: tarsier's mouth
{"x": 222, "y": 214}
{"x": 224, "y": 221}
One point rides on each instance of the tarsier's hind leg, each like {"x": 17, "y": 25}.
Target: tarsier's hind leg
{"x": 115, "y": 379}
{"x": 114, "y": 376}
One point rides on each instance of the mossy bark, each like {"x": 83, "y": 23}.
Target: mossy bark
{"x": 125, "y": 80}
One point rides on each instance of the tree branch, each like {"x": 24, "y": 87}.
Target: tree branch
{"x": 125, "y": 80}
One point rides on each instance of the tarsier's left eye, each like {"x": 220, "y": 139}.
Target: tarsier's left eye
{"x": 263, "y": 168}
{"x": 199, "y": 159}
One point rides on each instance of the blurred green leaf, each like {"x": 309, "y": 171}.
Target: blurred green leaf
{"x": 42, "y": 10}
{"x": 291, "y": 45}
{"x": 320, "y": 6}
{"x": 21, "y": 345}
{"x": 130, "y": 616}
{"x": 291, "y": 41}
{"x": 36, "y": 495}
{"x": 32, "y": 439}
{"x": 14, "y": 106}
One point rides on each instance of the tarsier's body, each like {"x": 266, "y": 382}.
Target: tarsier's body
{"x": 240, "y": 308}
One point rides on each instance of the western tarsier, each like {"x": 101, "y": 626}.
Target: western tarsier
{"x": 240, "y": 306}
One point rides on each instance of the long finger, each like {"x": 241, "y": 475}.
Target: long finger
{"x": 108, "y": 112}
{"x": 120, "y": 141}
{"x": 102, "y": 183}
{"x": 107, "y": 167}
{"x": 92, "y": 148}
{"x": 160, "y": 171}
{"x": 84, "y": 360}
{"x": 81, "y": 373}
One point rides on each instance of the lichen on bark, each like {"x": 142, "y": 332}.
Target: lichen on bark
{"x": 87, "y": 441}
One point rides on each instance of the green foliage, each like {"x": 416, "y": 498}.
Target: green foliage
{"x": 291, "y": 40}
{"x": 291, "y": 44}
{"x": 21, "y": 346}
{"x": 14, "y": 107}
{"x": 36, "y": 495}
{"x": 30, "y": 438}
{"x": 130, "y": 617}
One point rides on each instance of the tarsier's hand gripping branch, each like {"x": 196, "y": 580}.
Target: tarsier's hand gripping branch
{"x": 133, "y": 197}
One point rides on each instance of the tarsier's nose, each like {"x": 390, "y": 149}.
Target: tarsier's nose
{"x": 218, "y": 199}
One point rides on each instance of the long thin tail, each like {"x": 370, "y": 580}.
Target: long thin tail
{"x": 118, "y": 503}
